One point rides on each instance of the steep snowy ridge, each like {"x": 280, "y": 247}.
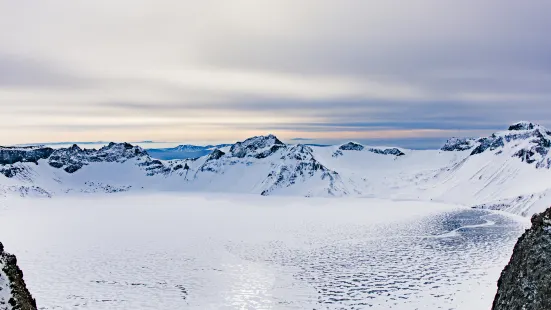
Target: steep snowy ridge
{"x": 298, "y": 166}
{"x": 13, "y": 291}
{"x": 509, "y": 170}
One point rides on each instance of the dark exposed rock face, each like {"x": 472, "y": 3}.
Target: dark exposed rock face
{"x": 258, "y": 147}
{"x": 458, "y": 144}
{"x": 391, "y": 151}
{"x": 522, "y": 126}
{"x": 216, "y": 154}
{"x": 351, "y": 146}
{"x": 12, "y": 155}
{"x": 526, "y": 281}
{"x": 11, "y": 278}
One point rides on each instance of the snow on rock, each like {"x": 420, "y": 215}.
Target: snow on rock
{"x": 13, "y": 291}
{"x": 527, "y": 141}
{"x": 298, "y": 165}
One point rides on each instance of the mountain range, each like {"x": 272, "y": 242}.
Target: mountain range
{"x": 508, "y": 170}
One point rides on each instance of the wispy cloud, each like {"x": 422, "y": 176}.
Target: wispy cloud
{"x": 335, "y": 70}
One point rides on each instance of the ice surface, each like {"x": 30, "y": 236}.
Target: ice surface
{"x": 176, "y": 251}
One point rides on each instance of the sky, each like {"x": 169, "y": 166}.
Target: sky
{"x": 408, "y": 72}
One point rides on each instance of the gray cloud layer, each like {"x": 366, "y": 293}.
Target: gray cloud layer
{"x": 175, "y": 70}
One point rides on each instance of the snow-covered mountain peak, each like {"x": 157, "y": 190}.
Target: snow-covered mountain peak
{"x": 299, "y": 152}
{"x": 258, "y": 147}
{"x": 527, "y": 141}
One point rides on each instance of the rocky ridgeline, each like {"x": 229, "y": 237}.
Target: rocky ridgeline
{"x": 353, "y": 146}
{"x": 12, "y": 155}
{"x": 525, "y": 282}
{"x": 74, "y": 158}
{"x": 13, "y": 291}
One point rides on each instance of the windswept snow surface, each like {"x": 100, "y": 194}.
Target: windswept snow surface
{"x": 190, "y": 251}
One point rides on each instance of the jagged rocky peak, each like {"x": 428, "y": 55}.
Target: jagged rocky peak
{"x": 12, "y": 155}
{"x": 525, "y": 283}
{"x": 258, "y": 147}
{"x": 523, "y": 126}
{"x": 13, "y": 291}
{"x": 459, "y": 144}
{"x": 299, "y": 165}
{"x": 351, "y": 146}
{"x": 74, "y": 158}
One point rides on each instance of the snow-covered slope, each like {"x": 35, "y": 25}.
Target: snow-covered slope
{"x": 509, "y": 170}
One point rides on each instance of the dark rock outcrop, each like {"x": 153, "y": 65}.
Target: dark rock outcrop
{"x": 12, "y": 155}
{"x": 458, "y": 144}
{"x": 526, "y": 281}
{"x": 522, "y": 126}
{"x": 351, "y": 146}
{"x": 216, "y": 154}
{"x": 391, "y": 151}
{"x": 11, "y": 278}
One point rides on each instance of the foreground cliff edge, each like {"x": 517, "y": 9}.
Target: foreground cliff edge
{"x": 13, "y": 292}
{"x": 525, "y": 283}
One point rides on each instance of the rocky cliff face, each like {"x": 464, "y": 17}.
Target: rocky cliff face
{"x": 526, "y": 281}
{"x": 13, "y": 292}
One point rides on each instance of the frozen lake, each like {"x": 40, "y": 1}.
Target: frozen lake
{"x": 249, "y": 252}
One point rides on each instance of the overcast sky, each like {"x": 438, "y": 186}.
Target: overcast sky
{"x": 128, "y": 70}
